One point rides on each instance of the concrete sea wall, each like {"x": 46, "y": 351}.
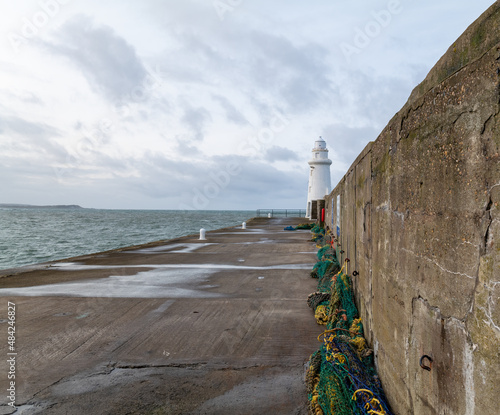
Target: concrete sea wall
{"x": 418, "y": 217}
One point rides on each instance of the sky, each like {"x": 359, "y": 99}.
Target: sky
{"x": 201, "y": 104}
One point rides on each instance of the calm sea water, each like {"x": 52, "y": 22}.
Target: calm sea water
{"x": 30, "y": 236}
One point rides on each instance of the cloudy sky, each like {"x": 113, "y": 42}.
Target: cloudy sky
{"x": 201, "y": 104}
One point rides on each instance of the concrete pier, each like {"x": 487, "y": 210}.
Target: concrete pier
{"x": 219, "y": 326}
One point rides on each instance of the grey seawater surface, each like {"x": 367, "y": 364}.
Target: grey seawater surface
{"x": 31, "y": 236}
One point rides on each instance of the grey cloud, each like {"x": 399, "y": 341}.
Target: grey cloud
{"x": 277, "y": 153}
{"x": 159, "y": 179}
{"x": 184, "y": 146}
{"x": 255, "y": 64}
{"x": 22, "y": 96}
{"x": 31, "y": 98}
{"x": 301, "y": 93}
{"x": 109, "y": 63}
{"x": 207, "y": 184}
{"x": 162, "y": 177}
{"x": 261, "y": 180}
{"x": 232, "y": 114}
{"x": 262, "y": 186}
{"x": 376, "y": 98}
{"x": 196, "y": 119}
{"x": 31, "y": 130}
{"x": 195, "y": 60}
{"x": 298, "y": 73}
{"x": 347, "y": 142}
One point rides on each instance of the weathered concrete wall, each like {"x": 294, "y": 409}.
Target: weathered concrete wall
{"x": 420, "y": 222}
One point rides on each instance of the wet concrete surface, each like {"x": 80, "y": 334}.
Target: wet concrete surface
{"x": 175, "y": 327}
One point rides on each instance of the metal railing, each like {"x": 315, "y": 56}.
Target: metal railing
{"x": 294, "y": 213}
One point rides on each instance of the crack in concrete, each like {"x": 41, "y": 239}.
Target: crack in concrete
{"x": 461, "y": 114}
{"x": 438, "y": 265}
{"x": 482, "y": 252}
{"x": 406, "y": 117}
{"x": 160, "y": 366}
{"x": 487, "y": 312}
{"x": 461, "y": 322}
{"x": 486, "y": 123}
{"x": 492, "y": 187}
{"x": 488, "y": 219}
{"x": 28, "y": 402}
{"x": 238, "y": 368}
{"x": 489, "y": 322}
{"x": 110, "y": 367}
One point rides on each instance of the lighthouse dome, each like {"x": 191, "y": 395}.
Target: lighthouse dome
{"x": 319, "y": 144}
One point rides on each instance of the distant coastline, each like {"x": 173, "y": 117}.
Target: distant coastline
{"x": 22, "y": 206}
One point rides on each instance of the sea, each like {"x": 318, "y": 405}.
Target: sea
{"x": 34, "y": 235}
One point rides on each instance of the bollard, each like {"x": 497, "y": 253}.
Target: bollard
{"x": 202, "y": 234}
{"x": 269, "y": 215}
{"x": 244, "y": 225}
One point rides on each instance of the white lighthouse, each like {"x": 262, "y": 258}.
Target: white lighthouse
{"x": 320, "y": 182}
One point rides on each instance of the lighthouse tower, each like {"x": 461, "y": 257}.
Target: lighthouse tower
{"x": 319, "y": 177}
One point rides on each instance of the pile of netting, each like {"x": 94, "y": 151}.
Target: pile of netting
{"x": 341, "y": 378}
{"x": 325, "y": 268}
{"x": 318, "y": 234}
{"x": 306, "y": 226}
